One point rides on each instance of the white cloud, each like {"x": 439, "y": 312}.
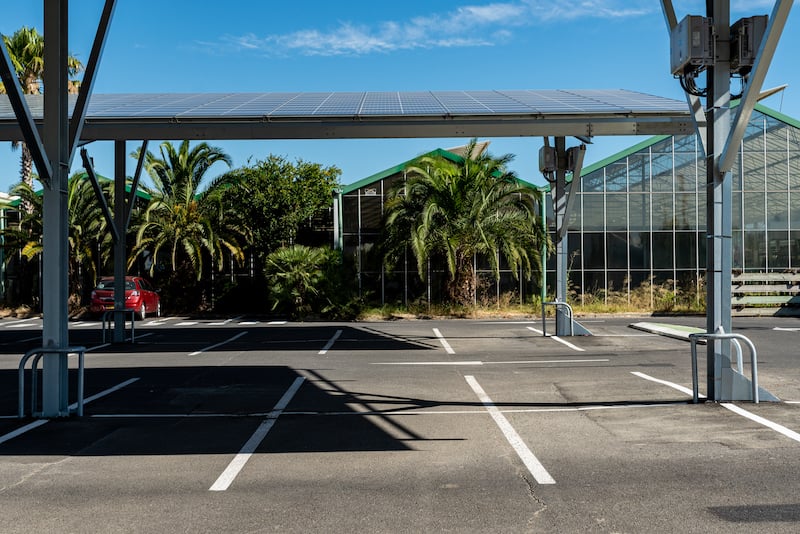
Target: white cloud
{"x": 466, "y": 26}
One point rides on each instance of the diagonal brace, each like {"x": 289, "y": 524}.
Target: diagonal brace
{"x": 98, "y": 192}
{"x": 30, "y": 133}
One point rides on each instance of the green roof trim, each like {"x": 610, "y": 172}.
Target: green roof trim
{"x": 397, "y": 169}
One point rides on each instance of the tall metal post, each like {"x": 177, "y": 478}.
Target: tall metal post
{"x": 719, "y": 199}
{"x": 55, "y": 136}
{"x": 560, "y": 213}
{"x": 120, "y": 253}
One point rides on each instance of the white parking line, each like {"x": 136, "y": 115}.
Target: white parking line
{"x": 330, "y": 343}
{"x": 791, "y": 434}
{"x": 444, "y": 342}
{"x": 479, "y": 362}
{"x": 533, "y": 464}
{"x": 36, "y": 424}
{"x": 212, "y": 347}
{"x": 673, "y": 385}
{"x": 556, "y": 338}
{"x": 227, "y": 477}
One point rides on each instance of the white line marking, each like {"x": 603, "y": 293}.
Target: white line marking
{"x": 226, "y": 478}
{"x": 567, "y": 343}
{"x": 186, "y": 323}
{"x": 330, "y": 343}
{"x": 21, "y": 325}
{"x": 666, "y": 383}
{"x": 40, "y": 422}
{"x": 102, "y": 346}
{"x": 533, "y": 464}
{"x": 444, "y": 342}
{"x": 392, "y": 413}
{"x": 16, "y": 321}
{"x": 248, "y": 323}
{"x": 791, "y": 434}
{"x": 532, "y": 329}
{"x": 277, "y": 322}
{"x": 212, "y": 347}
{"x": 782, "y": 329}
{"x": 479, "y": 362}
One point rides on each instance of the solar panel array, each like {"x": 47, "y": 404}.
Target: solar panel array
{"x": 366, "y": 104}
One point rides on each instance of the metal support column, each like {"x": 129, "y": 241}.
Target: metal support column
{"x": 120, "y": 253}
{"x": 560, "y": 214}
{"x": 55, "y": 217}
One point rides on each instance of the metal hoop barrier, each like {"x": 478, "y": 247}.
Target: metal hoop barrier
{"x": 734, "y": 338}
{"x": 37, "y": 354}
{"x": 107, "y": 323}
{"x": 558, "y": 303}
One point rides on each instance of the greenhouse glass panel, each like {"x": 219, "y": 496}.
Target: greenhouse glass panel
{"x": 593, "y": 182}
{"x": 593, "y": 282}
{"x": 593, "y": 209}
{"x": 738, "y": 250}
{"x": 755, "y": 251}
{"x": 685, "y": 250}
{"x": 777, "y": 162}
{"x": 794, "y": 164}
{"x": 754, "y": 216}
{"x": 593, "y": 251}
{"x": 778, "y": 211}
{"x": 662, "y": 172}
{"x": 639, "y": 246}
{"x": 617, "y": 177}
{"x": 617, "y": 250}
{"x": 778, "y": 246}
{"x": 350, "y": 214}
{"x": 617, "y": 282}
{"x": 754, "y": 178}
{"x": 663, "y": 250}
{"x": 794, "y": 248}
{"x": 639, "y": 172}
{"x": 616, "y": 211}
{"x": 663, "y": 211}
{"x": 371, "y": 207}
{"x": 639, "y": 212}
{"x": 685, "y": 211}
{"x": 685, "y": 172}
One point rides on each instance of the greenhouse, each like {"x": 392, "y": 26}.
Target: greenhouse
{"x": 638, "y": 217}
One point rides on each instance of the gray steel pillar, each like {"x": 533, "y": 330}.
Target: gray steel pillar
{"x": 120, "y": 253}
{"x": 719, "y": 199}
{"x": 55, "y": 217}
{"x": 562, "y": 250}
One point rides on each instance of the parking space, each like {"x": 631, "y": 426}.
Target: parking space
{"x": 405, "y": 426}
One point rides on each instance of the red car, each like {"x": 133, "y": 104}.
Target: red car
{"x": 140, "y": 296}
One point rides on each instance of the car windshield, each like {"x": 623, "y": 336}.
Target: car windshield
{"x": 109, "y": 284}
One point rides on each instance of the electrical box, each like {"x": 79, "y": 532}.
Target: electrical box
{"x": 746, "y": 35}
{"x": 691, "y": 45}
{"x": 547, "y": 159}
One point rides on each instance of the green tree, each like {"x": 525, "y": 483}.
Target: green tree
{"x": 87, "y": 229}
{"x": 181, "y": 221}
{"x": 303, "y": 280}
{"x": 274, "y": 198}
{"x": 455, "y": 210}
{"x": 26, "y": 51}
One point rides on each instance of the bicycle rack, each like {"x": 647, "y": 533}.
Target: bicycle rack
{"x": 37, "y": 355}
{"x": 558, "y": 303}
{"x": 734, "y": 338}
{"x": 107, "y": 323}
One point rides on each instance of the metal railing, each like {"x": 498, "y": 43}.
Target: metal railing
{"x": 734, "y": 338}
{"x": 107, "y": 323}
{"x": 557, "y": 303}
{"x": 37, "y": 354}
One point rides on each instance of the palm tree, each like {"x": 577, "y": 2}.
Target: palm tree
{"x": 302, "y": 279}
{"x": 26, "y": 51}
{"x": 87, "y": 227}
{"x": 181, "y": 221}
{"x": 455, "y": 210}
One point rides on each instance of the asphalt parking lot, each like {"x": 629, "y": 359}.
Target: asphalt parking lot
{"x": 238, "y": 425}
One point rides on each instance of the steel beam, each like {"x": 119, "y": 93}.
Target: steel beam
{"x": 27, "y": 126}
{"x": 82, "y": 104}
{"x": 55, "y": 217}
{"x": 120, "y": 253}
{"x": 98, "y": 193}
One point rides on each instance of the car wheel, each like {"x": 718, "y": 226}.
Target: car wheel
{"x": 158, "y": 310}
{"x": 142, "y": 312}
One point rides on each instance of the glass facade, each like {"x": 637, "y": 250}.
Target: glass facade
{"x": 640, "y": 216}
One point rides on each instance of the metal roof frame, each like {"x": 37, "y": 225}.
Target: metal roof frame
{"x": 249, "y": 116}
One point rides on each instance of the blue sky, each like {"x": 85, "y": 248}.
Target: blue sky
{"x": 368, "y": 45}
